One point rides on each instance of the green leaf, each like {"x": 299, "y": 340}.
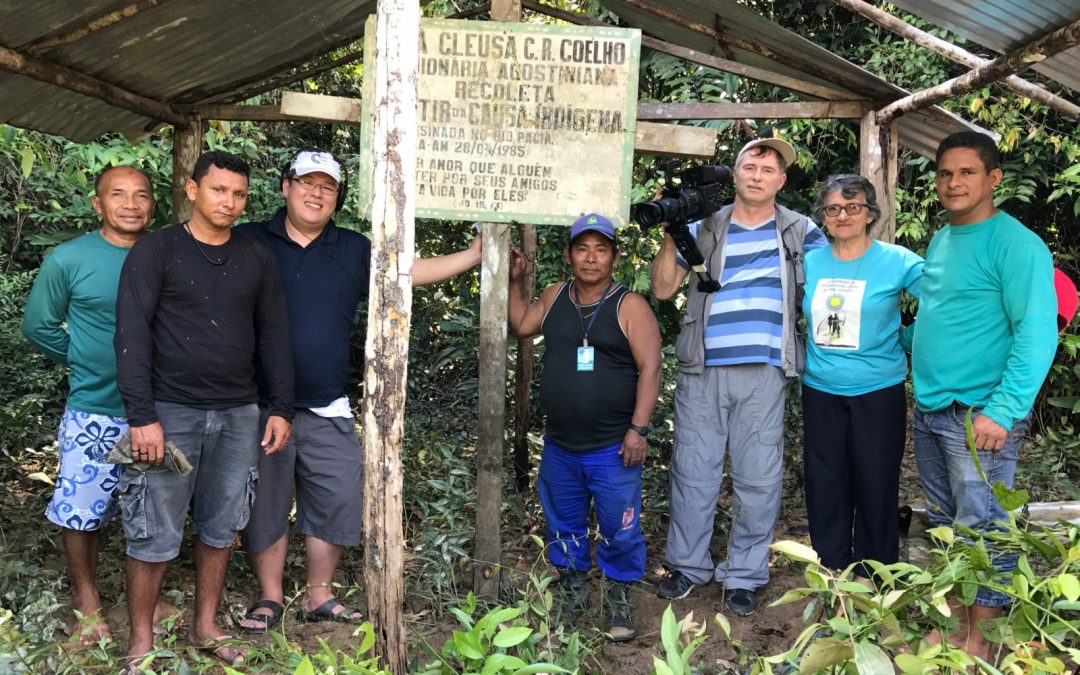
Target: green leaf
{"x": 468, "y": 645}
{"x": 1070, "y": 586}
{"x": 497, "y": 663}
{"x": 724, "y": 624}
{"x": 871, "y": 660}
{"x": 822, "y": 654}
{"x": 661, "y": 668}
{"x": 304, "y": 667}
{"x": 1009, "y": 498}
{"x": 540, "y": 668}
{"x": 797, "y": 551}
{"x": 669, "y": 631}
{"x": 971, "y": 444}
{"x": 27, "y": 160}
{"x": 980, "y": 559}
{"x": 508, "y": 637}
{"x": 369, "y": 637}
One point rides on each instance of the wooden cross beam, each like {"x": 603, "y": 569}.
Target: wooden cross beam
{"x": 951, "y": 51}
{"x": 72, "y": 80}
{"x": 1015, "y": 61}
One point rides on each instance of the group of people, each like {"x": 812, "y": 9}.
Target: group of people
{"x": 740, "y": 344}
{"x": 220, "y": 354}
{"x": 208, "y": 368}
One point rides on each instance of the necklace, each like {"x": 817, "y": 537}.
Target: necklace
{"x": 198, "y": 245}
{"x": 576, "y": 300}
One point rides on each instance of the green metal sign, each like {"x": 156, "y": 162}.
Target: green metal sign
{"x": 518, "y": 122}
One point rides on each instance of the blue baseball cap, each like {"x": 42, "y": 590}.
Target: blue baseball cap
{"x": 592, "y": 222}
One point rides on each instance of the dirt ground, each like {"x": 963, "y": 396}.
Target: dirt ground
{"x": 770, "y": 630}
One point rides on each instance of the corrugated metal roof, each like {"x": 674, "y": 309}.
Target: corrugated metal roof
{"x": 1004, "y": 25}
{"x": 158, "y": 53}
{"x": 789, "y": 54}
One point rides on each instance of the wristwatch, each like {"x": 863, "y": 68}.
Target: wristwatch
{"x": 641, "y": 430}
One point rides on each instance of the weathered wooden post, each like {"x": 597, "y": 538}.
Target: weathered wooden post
{"x": 491, "y": 436}
{"x": 187, "y": 146}
{"x": 389, "y": 312}
{"x": 878, "y": 147}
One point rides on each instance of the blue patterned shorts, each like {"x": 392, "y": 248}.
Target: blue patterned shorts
{"x": 84, "y": 497}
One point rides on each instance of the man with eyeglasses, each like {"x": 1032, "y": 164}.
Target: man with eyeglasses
{"x": 736, "y": 347}
{"x": 325, "y": 271}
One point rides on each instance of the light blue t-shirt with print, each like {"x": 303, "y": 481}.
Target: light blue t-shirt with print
{"x": 852, "y": 311}
{"x": 746, "y": 315}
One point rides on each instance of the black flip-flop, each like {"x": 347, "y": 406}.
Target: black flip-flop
{"x": 325, "y": 612}
{"x": 268, "y": 621}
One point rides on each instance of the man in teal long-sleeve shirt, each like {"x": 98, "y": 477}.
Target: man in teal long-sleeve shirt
{"x": 77, "y": 286}
{"x": 984, "y": 340}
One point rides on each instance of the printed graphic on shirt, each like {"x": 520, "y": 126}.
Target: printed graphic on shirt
{"x": 836, "y": 313}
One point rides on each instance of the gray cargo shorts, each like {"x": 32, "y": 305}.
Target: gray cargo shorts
{"x": 223, "y": 447}
{"x": 323, "y": 461}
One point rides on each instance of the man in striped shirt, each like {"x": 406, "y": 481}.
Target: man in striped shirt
{"x": 736, "y": 347}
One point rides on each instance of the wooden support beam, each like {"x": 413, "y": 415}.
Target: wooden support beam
{"x": 317, "y": 106}
{"x": 386, "y": 350}
{"x": 471, "y": 12}
{"x": 284, "y": 81}
{"x": 728, "y": 39}
{"x": 760, "y": 74}
{"x": 268, "y": 79}
{"x": 66, "y": 36}
{"x": 738, "y": 111}
{"x": 878, "y": 151}
{"x": 675, "y": 140}
{"x": 569, "y": 17}
{"x": 954, "y": 53}
{"x": 239, "y": 113}
{"x": 187, "y": 146}
{"x": 490, "y": 442}
{"x": 1019, "y": 59}
{"x": 43, "y": 71}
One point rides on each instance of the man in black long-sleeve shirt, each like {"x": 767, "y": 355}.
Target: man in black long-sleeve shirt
{"x": 196, "y": 304}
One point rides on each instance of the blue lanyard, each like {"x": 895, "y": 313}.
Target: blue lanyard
{"x": 577, "y": 304}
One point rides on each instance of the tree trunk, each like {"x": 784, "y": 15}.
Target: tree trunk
{"x": 389, "y": 312}
{"x": 878, "y": 146}
{"x": 187, "y": 146}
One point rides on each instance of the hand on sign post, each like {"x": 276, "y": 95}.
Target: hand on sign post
{"x": 519, "y": 265}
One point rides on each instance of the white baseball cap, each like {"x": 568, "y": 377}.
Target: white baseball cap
{"x": 312, "y": 161}
{"x": 777, "y": 144}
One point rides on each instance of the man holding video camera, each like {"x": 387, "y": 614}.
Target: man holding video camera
{"x": 737, "y": 345}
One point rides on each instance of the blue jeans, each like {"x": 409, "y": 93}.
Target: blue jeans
{"x": 955, "y": 493}
{"x": 568, "y": 482}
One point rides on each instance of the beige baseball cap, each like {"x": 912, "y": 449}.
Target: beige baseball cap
{"x": 777, "y": 144}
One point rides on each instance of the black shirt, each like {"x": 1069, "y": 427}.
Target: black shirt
{"x": 593, "y": 409}
{"x": 188, "y": 330}
{"x": 324, "y": 284}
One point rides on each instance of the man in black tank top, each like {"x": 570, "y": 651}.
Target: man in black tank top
{"x": 599, "y": 386}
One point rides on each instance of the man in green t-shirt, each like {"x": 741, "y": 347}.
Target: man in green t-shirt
{"x": 77, "y": 286}
{"x": 984, "y": 340}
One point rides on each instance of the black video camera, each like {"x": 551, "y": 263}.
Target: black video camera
{"x": 699, "y": 195}
{"x": 701, "y": 192}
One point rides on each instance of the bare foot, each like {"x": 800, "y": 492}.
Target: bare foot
{"x": 166, "y": 616}
{"x": 221, "y": 646}
{"x": 90, "y": 630}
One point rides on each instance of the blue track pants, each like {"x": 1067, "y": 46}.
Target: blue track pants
{"x": 569, "y": 482}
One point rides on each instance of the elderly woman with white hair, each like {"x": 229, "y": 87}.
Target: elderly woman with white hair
{"x": 854, "y": 404}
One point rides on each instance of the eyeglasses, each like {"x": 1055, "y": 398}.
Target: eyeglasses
{"x": 852, "y": 209}
{"x": 326, "y": 188}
